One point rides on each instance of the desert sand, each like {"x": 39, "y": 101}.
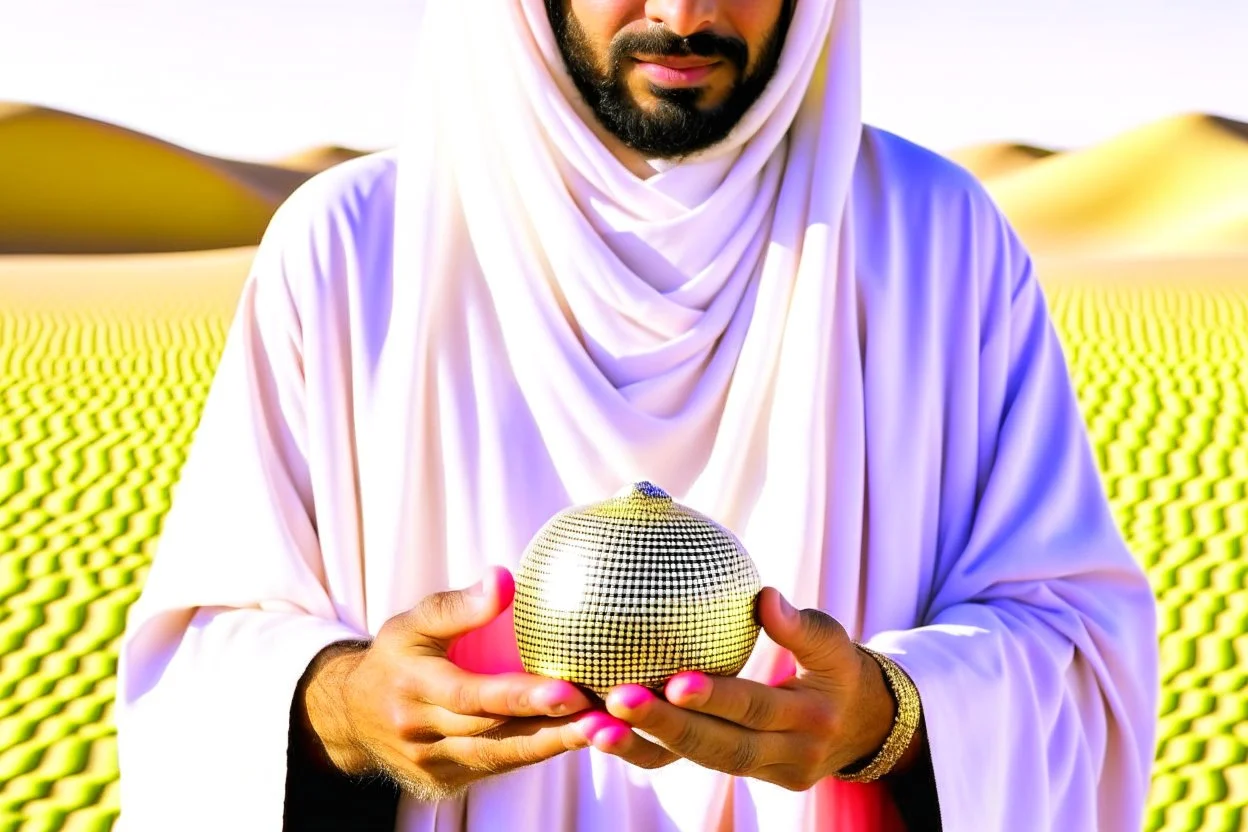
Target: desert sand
{"x": 1174, "y": 187}
{"x": 70, "y": 184}
{"x": 131, "y": 285}
{"x": 316, "y": 159}
{"x": 994, "y": 159}
{"x": 1141, "y": 245}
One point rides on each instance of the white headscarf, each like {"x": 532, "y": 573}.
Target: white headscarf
{"x": 662, "y": 322}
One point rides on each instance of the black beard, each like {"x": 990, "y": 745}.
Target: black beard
{"x": 677, "y": 126}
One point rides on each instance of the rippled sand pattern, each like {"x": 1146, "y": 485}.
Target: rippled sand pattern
{"x": 1162, "y": 374}
{"x": 100, "y": 392}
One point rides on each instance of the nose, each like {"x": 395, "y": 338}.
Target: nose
{"x": 683, "y": 17}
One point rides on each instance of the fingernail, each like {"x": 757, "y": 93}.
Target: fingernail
{"x": 477, "y": 590}
{"x": 592, "y": 723}
{"x": 688, "y": 688}
{"x": 553, "y": 699}
{"x": 611, "y": 735}
{"x": 787, "y": 610}
{"x": 631, "y": 696}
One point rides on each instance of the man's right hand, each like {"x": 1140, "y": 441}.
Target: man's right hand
{"x": 400, "y": 706}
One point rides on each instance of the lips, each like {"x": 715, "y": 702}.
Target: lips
{"x": 672, "y": 62}
{"x": 676, "y": 72}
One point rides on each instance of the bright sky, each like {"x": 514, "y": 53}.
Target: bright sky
{"x": 261, "y": 78}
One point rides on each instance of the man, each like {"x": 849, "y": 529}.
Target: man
{"x": 626, "y": 240}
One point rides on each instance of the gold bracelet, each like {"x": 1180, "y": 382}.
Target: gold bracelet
{"x": 905, "y": 723}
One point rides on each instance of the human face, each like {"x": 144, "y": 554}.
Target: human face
{"x": 669, "y": 78}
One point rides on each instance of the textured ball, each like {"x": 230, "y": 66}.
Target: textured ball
{"x": 634, "y": 590}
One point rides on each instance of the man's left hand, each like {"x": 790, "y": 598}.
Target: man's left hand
{"x": 835, "y": 711}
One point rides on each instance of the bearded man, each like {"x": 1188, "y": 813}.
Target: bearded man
{"x": 641, "y": 240}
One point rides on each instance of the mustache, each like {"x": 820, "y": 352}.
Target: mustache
{"x": 660, "y": 41}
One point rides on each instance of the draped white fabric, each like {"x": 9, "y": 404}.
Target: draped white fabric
{"x": 822, "y": 336}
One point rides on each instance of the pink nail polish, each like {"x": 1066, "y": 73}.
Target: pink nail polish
{"x": 632, "y": 696}
{"x": 554, "y": 698}
{"x": 595, "y": 721}
{"x": 610, "y": 735}
{"x": 689, "y": 688}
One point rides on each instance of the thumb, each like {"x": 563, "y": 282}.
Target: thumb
{"x": 817, "y": 640}
{"x": 443, "y": 616}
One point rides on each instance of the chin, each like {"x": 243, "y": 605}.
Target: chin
{"x": 705, "y": 100}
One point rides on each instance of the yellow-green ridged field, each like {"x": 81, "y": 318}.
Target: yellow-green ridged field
{"x": 99, "y": 398}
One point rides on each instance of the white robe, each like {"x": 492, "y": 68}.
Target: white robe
{"x": 969, "y": 536}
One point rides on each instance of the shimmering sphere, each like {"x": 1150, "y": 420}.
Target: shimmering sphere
{"x": 634, "y": 590}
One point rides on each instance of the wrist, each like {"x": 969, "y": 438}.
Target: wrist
{"x": 878, "y": 709}
{"x": 323, "y": 707}
{"x": 882, "y": 693}
{"x": 902, "y": 738}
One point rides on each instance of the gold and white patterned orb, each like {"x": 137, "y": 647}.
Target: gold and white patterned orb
{"x": 634, "y": 590}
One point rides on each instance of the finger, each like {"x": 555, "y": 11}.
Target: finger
{"x": 613, "y": 736}
{"x": 706, "y": 740}
{"x": 442, "y": 723}
{"x": 441, "y": 617}
{"x": 743, "y": 702}
{"x": 816, "y": 639}
{"x": 516, "y": 743}
{"x": 505, "y": 694}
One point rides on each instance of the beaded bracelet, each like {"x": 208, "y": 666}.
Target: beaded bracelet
{"x": 905, "y": 723}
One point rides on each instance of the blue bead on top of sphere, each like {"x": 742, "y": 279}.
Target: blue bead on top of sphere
{"x": 648, "y": 489}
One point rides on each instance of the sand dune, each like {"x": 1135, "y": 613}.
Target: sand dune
{"x": 987, "y": 161}
{"x": 74, "y": 184}
{"x": 1174, "y": 187}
